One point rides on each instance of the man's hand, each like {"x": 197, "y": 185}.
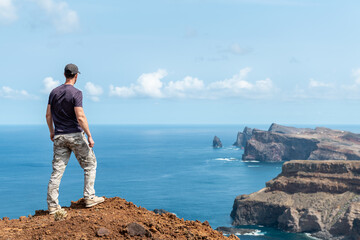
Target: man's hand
{"x": 52, "y": 135}
{"x": 91, "y": 142}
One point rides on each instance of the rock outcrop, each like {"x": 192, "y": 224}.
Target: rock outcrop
{"x": 235, "y": 231}
{"x": 318, "y": 197}
{"x": 217, "y": 142}
{"x": 243, "y": 137}
{"x": 113, "y": 219}
{"x": 281, "y": 143}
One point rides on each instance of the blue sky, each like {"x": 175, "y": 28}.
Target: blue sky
{"x": 184, "y": 61}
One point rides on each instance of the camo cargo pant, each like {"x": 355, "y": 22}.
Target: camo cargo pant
{"x": 64, "y": 144}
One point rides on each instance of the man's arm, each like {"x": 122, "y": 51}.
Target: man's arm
{"x": 49, "y": 121}
{"x": 80, "y": 115}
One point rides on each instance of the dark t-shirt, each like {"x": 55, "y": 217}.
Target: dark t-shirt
{"x": 63, "y": 99}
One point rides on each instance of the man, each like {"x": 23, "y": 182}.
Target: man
{"x": 65, "y": 111}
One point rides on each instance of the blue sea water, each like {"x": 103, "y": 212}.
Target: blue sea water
{"x": 170, "y": 167}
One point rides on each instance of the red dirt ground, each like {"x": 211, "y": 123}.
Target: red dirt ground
{"x": 108, "y": 220}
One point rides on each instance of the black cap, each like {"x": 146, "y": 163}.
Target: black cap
{"x": 71, "y": 69}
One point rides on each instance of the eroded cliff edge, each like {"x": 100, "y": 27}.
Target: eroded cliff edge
{"x": 114, "y": 219}
{"x": 319, "y": 197}
{"x": 282, "y": 143}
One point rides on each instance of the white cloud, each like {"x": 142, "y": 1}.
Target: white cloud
{"x": 317, "y": 84}
{"x": 94, "y": 91}
{"x": 124, "y": 92}
{"x": 7, "y": 11}
{"x": 7, "y": 92}
{"x": 151, "y": 85}
{"x": 237, "y": 86}
{"x": 49, "y": 84}
{"x": 62, "y": 17}
{"x": 325, "y": 90}
{"x": 187, "y": 86}
{"x": 148, "y": 85}
{"x": 236, "y": 83}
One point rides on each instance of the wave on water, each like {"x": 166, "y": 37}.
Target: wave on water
{"x": 226, "y": 159}
{"x": 256, "y": 232}
{"x": 233, "y": 148}
{"x": 311, "y": 237}
{"x": 253, "y": 166}
{"x": 250, "y": 161}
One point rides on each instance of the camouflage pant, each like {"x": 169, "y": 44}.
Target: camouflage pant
{"x": 64, "y": 144}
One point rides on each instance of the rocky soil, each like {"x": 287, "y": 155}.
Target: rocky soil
{"x": 282, "y": 143}
{"x": 319, "y": 197}
{"x": 114, "y": 219}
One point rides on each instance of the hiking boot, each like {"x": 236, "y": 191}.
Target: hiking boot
{"x": 94, "y": 201}
{"x": 53, "y": 210}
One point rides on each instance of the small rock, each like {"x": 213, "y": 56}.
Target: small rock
{"x": 233, "y": 237}
{"x": 102, "y": 232}
{"x": 22, "y": 218}
{"x": 206, "y": 223}
{"x": 160, "y": 211}
{"x": 5, "y": 218}
{"x": 217, "y": 143}
{"x": 135, "y": 229}
{"x": 60, "y": 215}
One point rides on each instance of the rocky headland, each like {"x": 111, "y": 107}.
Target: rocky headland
{"x": 315, "y": 196}
{"x": 243, "y": 137}
{"x": 282, "y": 143}
{"x": 114, "y": 219}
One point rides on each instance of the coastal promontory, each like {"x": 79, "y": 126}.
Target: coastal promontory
{"x": 282, "y": 143}
{"x": 321, "y": 197}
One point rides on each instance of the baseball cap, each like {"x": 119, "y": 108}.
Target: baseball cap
{"x": 71, "y": 68}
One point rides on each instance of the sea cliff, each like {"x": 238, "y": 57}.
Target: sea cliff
{"x": 282, "y": 143}
{"x": 318, "y": 197}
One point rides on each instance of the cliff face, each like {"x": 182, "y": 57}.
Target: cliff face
{"x": 320, "y": 197}
{"x": 113, "y": 219}
{"x": 283, "y": 143}
{"x": 243, "y": 137}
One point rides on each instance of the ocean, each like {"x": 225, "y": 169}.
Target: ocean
{"x": 172, "y": 167}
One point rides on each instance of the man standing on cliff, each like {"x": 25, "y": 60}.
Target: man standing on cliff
{"x": 65, "y": 111}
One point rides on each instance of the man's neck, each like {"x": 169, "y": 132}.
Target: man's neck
{"x": 70, "y": 82}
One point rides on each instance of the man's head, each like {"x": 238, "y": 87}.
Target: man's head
{"x": 71, "y": 71}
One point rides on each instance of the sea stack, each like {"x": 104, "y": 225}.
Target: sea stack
{"x": 217, "y": 142}
{"x": 317, "y": 197}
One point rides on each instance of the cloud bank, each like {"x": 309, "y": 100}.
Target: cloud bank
{"x": 330, "y": 90}
{"x": 151, "y": 85}
{"x": 8, "y": 92}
